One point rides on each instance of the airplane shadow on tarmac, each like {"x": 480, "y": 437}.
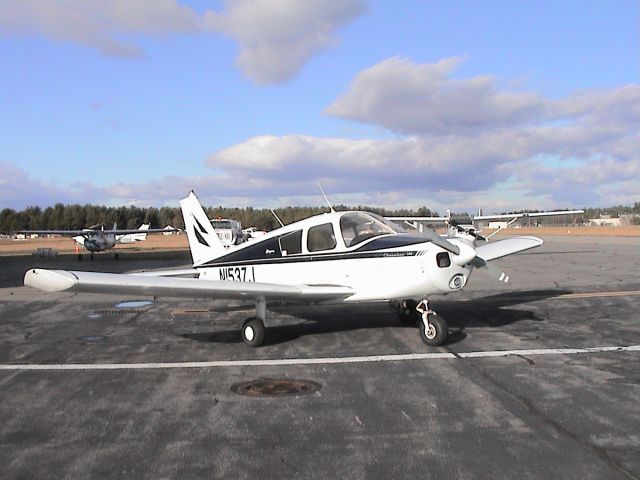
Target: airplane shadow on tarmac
{"x": 491, "y": 311}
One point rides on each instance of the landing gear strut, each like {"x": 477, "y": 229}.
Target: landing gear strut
{"x": 433, "y": 329}
{"x": 253, "y": 329}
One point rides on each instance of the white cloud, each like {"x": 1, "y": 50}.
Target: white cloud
{"x": 18, "y": 189}
{"x": 577, "y": 151}
{"x": 277, "y": 37}
{"x": 98, "y": 23}
{"x": 411, "y": 98}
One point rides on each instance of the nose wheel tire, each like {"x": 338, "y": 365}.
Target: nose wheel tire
{"x": 253, "y": 332}
{"x": 435, "y": 333}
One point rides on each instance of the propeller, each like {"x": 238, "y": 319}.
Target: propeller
{"x": 485, "y": 267}
{"x": 464, "y": 252}
{"x": 469, "y": 231}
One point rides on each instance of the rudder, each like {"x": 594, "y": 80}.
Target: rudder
{"x": 203, "y": 240}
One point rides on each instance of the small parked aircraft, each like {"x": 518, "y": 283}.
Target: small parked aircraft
{"x": 97, "y": 239}
{"x": 505, "y": 219}
{"x": 346, "y": 257}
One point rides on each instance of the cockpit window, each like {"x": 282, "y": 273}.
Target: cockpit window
{"x": 358, "y": 226}
{"x": 321, "y": 237}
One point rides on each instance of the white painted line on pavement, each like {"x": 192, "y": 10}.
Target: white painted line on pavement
{"x": 319, "y": 361}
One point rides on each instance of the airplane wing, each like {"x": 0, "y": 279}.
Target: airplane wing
{"x": 85, "y": 232}
{"x": 139, "y": 231}
{"x": 149, "y": 284}
{"x": 418, "y": 219}
{"x": 511, "y": 216}
{"x": 69, "y": 233}
{"x": 508, "y": 246}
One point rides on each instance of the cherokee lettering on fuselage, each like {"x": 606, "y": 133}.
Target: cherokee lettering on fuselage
{"x": 238, "y": 274}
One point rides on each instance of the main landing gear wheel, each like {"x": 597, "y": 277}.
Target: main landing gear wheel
{"x": 253, "y": 332}
{"x": 433, "y": 329}
{"x": 407, "y": 312}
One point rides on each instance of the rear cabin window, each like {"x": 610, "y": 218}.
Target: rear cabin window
{"x": 291, "y": 243}
{"x": 321, "y": 237}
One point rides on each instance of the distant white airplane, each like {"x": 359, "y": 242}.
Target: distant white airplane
{"x": 508, "y": 218}
{"x": 345, "y": 257}
{"x": 97, "y": 239}
{"x": 252, "y": 233}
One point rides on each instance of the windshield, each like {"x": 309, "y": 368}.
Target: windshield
{"x": 221, "y": 223}
{"x": 357, "y": 227}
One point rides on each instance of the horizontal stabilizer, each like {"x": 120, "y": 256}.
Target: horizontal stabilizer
{"x": 136, "y": 284}
{"x": 508, "y": 246}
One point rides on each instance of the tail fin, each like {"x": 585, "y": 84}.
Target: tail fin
{"x": 203, "y": 240}
{"x": 140, "y": 237}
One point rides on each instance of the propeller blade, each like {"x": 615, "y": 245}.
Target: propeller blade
{"x": 485, "y": 267}
{"x": 441, "y": 242}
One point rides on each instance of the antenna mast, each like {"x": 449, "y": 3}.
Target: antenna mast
{"x": 325, "y": 197}
{"x": 277, "y": 218}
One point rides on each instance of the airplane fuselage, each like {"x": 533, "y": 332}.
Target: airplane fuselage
{"x": 96, "y": 242}
{"x": 375, "y": 271}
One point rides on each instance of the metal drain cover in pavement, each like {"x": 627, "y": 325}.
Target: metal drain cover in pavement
{"x": 269, "y": 387}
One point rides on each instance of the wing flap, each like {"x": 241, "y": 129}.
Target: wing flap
{"x": 508, "y": 246}
{"x": 133, "y": 284}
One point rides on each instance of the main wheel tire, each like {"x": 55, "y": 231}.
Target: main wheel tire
{"x": 407, "y": 312}
{"x": 437, "y": 332}
{"x": 253, "y": 332}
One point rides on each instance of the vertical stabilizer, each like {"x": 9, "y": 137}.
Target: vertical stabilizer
{"x": 203, "y": 240}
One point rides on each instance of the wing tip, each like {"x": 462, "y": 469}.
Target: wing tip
{"x": 49, "y": 280}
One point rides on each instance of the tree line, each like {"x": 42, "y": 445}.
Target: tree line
{"x": 77, "y": 217}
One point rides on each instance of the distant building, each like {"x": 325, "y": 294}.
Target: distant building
{"x": 498, "y": 225}
{"x": 170, "y": 230}
{"x": 604, "y": 221}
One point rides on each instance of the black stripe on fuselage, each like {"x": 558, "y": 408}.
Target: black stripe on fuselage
{"x": 268, "y": 251}
{"x": 324, "y": 257}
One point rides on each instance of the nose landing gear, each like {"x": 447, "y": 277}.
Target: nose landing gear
{"x": 433, "y": 329}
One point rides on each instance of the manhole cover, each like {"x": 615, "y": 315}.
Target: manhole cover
{"x": 275, "y": 388}
{"x": 93, "y": 338}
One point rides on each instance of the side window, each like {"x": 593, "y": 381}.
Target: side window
{"x": 291, "y": 243}
{"x": 443, "y": 260}
{"x": 320, "y": 238}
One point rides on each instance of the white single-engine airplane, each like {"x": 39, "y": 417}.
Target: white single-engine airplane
{"x": 97, "y": 239}
{"x": 334, "y": 257}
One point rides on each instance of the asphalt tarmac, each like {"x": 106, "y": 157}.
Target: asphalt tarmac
{"x": 530, "y": 385}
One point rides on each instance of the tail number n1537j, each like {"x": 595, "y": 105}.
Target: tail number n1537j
{"x": 238, "y": 274}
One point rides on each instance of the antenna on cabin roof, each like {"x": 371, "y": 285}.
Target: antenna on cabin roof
{"x": 325, "y": 197}
{"x": 277, "y": 218}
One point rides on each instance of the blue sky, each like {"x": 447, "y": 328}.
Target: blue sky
{"x": 461, "y": 105}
